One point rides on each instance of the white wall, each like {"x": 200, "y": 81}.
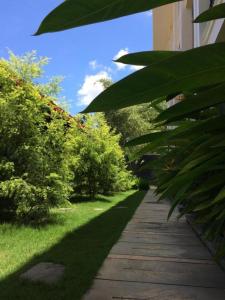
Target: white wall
{"x": 207, "y": 32}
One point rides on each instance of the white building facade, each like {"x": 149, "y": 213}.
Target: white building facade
{"x": 173, "y": 27}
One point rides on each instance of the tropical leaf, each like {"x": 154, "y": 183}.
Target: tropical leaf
{"x": 210, "y": 184}
{"x": 198, "y": 161}
{"x": 181, "y": 180}
{"x": 219, "y": 144}
{"x": 146, "y": 58}
{"x": 194, "y": 103}
{"x": 220, "y": 196}
{"x": 147, "y": 138}
{"x": 75, "y": 13}
{"x": 216, "y": 12}
{"x": 178, "y": 198}
{"x": 189, "y": 70}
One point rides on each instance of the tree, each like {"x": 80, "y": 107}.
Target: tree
{"x": 98, "y": 160}
{"x": 30, "y": 68}
{"x": 34, "y": 173}
{"x": 133, "y": 121}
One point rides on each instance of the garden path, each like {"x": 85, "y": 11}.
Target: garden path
{"x": 156, "y": 259}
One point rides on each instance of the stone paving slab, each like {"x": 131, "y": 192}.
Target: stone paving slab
{"x": 48, "y": 273}
{"x": 125, "y": 290}
{"x": 163, "y": 238}
{"x": 161, "y": 259}
{"x": 203, "y": 275}
{"x": 161, "y": 250}
{"x": 157, "y": 218}
{"x": 156, "y": 259}
{"x": 183, "y": 228}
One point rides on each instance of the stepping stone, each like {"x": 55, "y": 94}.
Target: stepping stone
{"x": 48, "y": 273}
{"x": 98, "y": 209}
{"x": 120, "y": 207}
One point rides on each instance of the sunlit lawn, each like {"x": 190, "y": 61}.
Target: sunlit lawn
{"x": 80, "y": 238}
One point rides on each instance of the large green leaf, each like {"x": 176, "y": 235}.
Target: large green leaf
{"x": 190, "y": 177}
{"x": 74, "y": 13}
{"x": 198, "y": 161}
{"x": 220, "y": 197}
{"x": 146, "y": 58}
{"x": 160, "y": 136}
{"x": 216, "y": 12}
{"x": 211, "y": 183}
{"x": 202, "y": 127}
{"x": 194, "y": 103}
{"x": 189, "y": 70}
{"x": 147, "y": 138}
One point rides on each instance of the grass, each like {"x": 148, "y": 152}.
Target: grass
{"x": 80, "y": 239}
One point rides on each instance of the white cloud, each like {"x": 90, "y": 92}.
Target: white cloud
{"x": 93, "y": 64}
{"x": 122, "y": 52}
{"x": 91, "y": 87}
{"x": 149, "y": 13}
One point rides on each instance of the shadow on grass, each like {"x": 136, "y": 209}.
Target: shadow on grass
{"x": 84, "y": 198}
{"x": 82, "y": 252}
{"x": 53, "y": 219}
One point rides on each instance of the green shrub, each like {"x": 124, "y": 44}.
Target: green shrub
{"x": 143, "y": 184}
{"x": 23, "y": 200}
{"x": 34, "y": 172}
{"x": 45, "y": 154}
{"x": 99, "y": 163}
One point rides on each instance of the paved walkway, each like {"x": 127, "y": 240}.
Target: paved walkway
{"x": 156, "y": 259}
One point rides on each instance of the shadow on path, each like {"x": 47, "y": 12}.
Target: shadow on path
{"x": 81, "y": 252}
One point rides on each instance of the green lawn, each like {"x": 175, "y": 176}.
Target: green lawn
{"x": 80, "y": 238}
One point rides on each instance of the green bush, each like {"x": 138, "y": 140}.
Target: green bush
{"x": 143, "y": 184}
{"x": 23, "y": 201}
{"x": 45, "y": 154}
{"x": 33, "y": 169}
{"x": 98, "y": 160}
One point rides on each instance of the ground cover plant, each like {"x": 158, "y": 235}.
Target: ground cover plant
{"x": 79, "y": 237}
{"x": 191, "y": 167}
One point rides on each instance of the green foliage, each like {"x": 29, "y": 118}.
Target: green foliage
{"x": 29, "y": 67}
{"x": 169, "y": 76}
{"x": 191, "y": 167}
{"x": 146, "y": 58}
{"x": 22, "y": 200}
{"x": 33, "y": 170}
{"x": 216, "y": 12}
{"x": 143, "y": 184}
{"x": 71, "y": 14}
{"x": 98, "y": 160}
{"x": 132, "y": 122}
{"x": 45, "y": 154}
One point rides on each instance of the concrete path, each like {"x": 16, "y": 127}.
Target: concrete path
{"x": 156, "y": 259}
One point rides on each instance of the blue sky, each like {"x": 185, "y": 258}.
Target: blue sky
{"x": 81, "y": 55}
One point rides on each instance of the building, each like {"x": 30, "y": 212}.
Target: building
{"x": 174, "y": 28}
